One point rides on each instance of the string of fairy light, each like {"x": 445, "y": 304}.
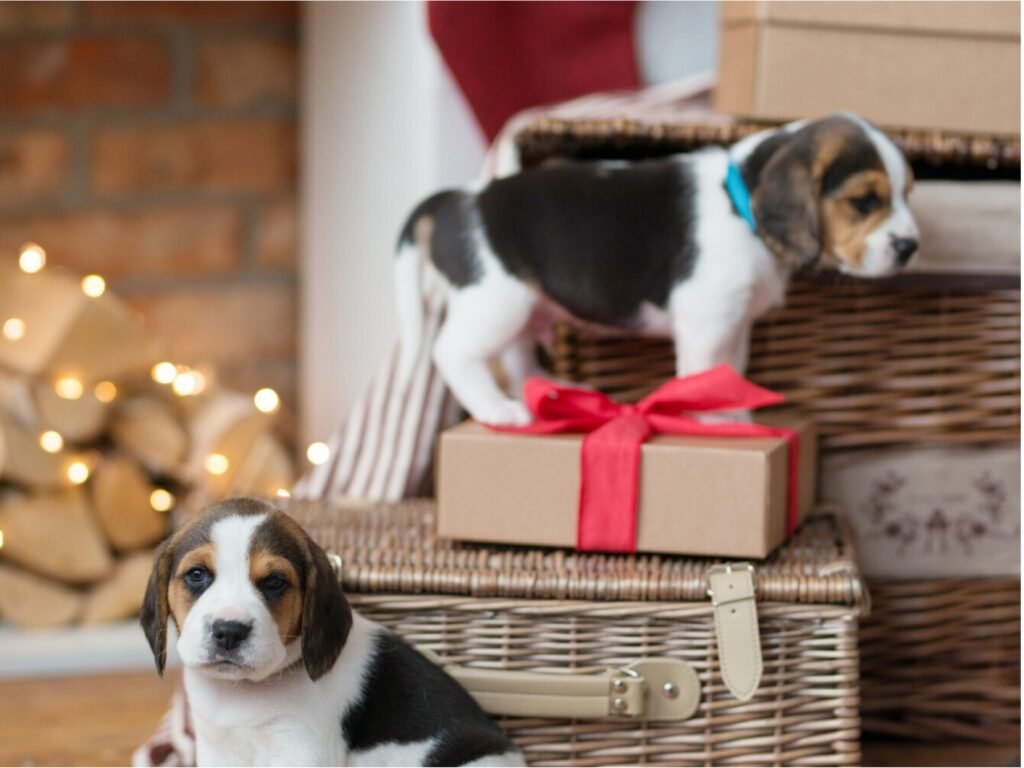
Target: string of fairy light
{"x": 183, "y": 381}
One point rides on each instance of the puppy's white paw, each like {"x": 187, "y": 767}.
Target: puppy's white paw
{"x": 505, "y": 413}
{"x": 725, "y": 417}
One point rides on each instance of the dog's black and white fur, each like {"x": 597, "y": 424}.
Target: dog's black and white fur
{"x": 655, "y": 247}
{"x": 279, "y": 670}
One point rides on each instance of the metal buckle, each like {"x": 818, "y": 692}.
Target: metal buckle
{"x": 336, "y": 563}
{"x": 726, "y": 568}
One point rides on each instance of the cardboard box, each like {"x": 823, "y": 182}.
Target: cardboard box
{"x": 931, "y": 65}
{"x": 698, "y": 496}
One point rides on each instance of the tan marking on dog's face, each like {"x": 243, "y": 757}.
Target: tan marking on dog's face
{"x": 286, "y": 606}
{"x": 180, "y": 599}
{"x": 853, "y": 212}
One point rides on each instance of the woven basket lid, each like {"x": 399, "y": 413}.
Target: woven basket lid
{"x": 393, "y": 548}
{"x": 546, "y": 137}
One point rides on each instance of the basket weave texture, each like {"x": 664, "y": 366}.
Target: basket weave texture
{"x": 558, "y": 612}
{"x": 875, "y": 365}
{"x": 941, "y": 660}
{"x": 549, "y": 137}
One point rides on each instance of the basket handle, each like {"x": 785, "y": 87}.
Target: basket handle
{"x": 648, "y": 689}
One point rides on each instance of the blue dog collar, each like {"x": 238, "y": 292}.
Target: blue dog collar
{"x": 739, "y": 194}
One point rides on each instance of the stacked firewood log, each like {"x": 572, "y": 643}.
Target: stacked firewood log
{"x": 102, "y": 444}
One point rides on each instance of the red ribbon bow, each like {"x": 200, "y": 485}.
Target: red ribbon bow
{"x": 610, "y": 457}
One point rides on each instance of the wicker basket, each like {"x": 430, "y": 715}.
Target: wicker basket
{"x": 941, "y": 660}
{"x": 950, "y": 153}
{"x": 555, "y": 612}
{"x": 909, "y": 360}
{"x": 875, "y": 364}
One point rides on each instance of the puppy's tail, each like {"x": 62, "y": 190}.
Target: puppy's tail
{"x": 412, "y": 253}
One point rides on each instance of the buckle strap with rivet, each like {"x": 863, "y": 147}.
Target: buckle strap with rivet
{"x": 731, "y": 589}
{"x": 648, "y": 689}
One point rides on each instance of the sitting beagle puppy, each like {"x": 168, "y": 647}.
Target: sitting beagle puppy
{"x": 279, "y": 670}
{"x": 695, "y": 246}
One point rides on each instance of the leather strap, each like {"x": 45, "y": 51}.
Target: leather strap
{"x": 649, "y": 689}
{"x": 731, "y": 589}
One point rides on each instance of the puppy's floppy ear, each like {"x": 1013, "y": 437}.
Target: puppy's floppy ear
{"x": 326, "y": 614}
{"x": 155, "y": 608}
{"x": 786, "y": 204}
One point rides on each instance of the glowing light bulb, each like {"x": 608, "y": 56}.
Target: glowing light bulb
{"x": 93, "y": 286}
{"x": 283, "y": 493}
{"x": 78, "y": 472}
{"x": 105, "y": 391}
{"x": 51, "y": 441}
{"x": 217, "y": 464}
{"x": 1, "y": 539}
{"x": 32, "y": 258}
{"x": 318, "y": 453}
{"x": 14, "y": 328}
{"x": 163, "y": 373}
{"x": 161, "y": 500}
{"x": 266, "y": 400}
{"x": 189, "y": 383}
{"x": 68, "y": 387}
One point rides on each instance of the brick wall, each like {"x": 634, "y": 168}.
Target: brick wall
{"x": 155, "y": 144}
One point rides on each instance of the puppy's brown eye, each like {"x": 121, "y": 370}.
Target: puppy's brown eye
{"x": 865, "y": 204}
{"x": 273, "y": 585}
{"x": 197, "y": 579}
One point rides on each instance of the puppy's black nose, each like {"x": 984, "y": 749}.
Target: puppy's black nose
{"x": 904, "y": 247}
{"x": 230, "y": 634}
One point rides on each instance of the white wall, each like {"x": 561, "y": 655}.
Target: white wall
{"x": 676, "y": 39}
{"x": 381, "y": 128}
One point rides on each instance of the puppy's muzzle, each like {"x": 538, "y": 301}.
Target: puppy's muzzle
{"x": 228, "y": 635}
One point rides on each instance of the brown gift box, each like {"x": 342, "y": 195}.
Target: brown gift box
{"x": 698, "y": 495}
{"x": 931, "y": 65}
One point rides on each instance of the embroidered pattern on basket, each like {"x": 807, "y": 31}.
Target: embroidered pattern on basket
{"x": 949, "y": 521}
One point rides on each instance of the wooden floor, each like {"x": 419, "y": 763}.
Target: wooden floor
{"x": 101, "y": 720}
{"x": 80, "y": 720}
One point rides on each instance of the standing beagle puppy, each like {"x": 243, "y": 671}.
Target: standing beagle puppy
{"x": 279, "y": 670}
{"x": 695, "y": 246}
